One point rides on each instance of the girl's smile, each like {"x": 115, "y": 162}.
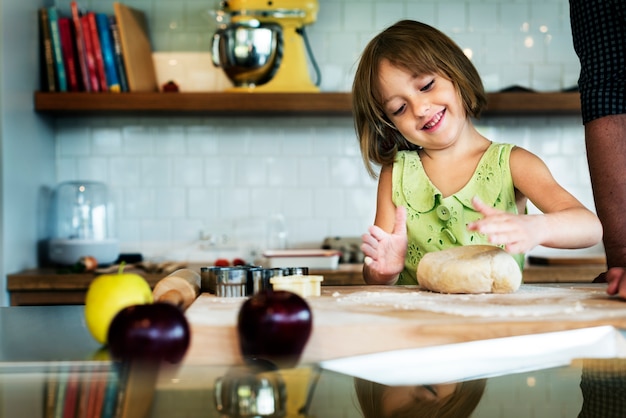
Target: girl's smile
{"x": 435, "y": 121}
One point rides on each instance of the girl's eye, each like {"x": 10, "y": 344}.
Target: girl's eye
{"x": 397, "y": 112}
{"x": 428, "y": 86}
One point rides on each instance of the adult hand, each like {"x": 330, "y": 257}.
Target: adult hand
{"x": 616, "y": 279}
{"x": 516, "y": 232}
{"x": 384, "y": 252}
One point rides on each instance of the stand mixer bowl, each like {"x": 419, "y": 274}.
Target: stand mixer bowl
{"x": 249, "y": 52}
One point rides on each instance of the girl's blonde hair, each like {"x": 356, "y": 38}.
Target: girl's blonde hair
{"x": 420, "y": 49}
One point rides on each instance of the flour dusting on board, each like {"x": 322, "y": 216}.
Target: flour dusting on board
{"x": 528, "y": 301}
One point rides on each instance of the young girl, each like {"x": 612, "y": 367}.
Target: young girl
{"x": 442, "y": 183}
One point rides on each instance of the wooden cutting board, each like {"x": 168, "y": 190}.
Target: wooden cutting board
{"x": 354, "y": 320}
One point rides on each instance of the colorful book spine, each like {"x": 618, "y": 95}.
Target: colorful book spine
{"x": 108, "y": 53}
{"x": 59, "y": 405}
{"x": 118, "y": 55}
{"x": 71, "y": 395}
{"x": 80, "y": 46}
{"x": 69, "y": 54}
{"x": 57, "y": 52}
{"x": 48, "y": 82}
{"x": 50, "y": 395}
{"x": 97, "y": 51}
{"x": 83, "y": 395}
{"x": 89, "y": 55}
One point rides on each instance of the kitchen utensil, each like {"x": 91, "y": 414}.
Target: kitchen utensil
{"x": 82, "y": 221}
{"x": 179, "y": 288}
{"x": 262, "y": 281}
{"x": 231, "y": 282}
{"x": 263, "y": 47}
{"x": 248, "y": 52}
{"x": 249, "y": 394}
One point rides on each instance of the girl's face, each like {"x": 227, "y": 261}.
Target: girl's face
{"x": 426, "y": 109}
{"x": 401, "y": 396}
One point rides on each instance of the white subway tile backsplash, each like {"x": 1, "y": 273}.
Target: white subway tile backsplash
{"x": 156, "y": 171}
{"x": 386, "y": 13}
{"x": 172, "y": 176}
{"x": 423, "y": 11}
{"x": 139, "y": 203}
{"x": 452, "y": 16}
{"x": 171, "y": 203}
{"x": 483, "y": 18}
{"x": 201, "y": 140}
{"x": 314, "y": 172}
{"x": 73, "y": 140}
{"x": 202, "y": 203}
{"x": 92, "y": 168}
{"x": 219, "y": 171}
{"x": 282, "y": 172}
{"x": 124, "y": 172}
{"x": 188, "y": 171}
{"x": 138, "y": 140}
{"x": 513, "y": 16}
{"x": 106, "y": 141}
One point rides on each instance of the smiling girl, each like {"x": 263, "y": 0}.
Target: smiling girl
{"x": 443, "y": 184}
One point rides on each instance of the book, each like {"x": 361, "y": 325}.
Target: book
{"x": 71, "y": 394}
{"x": 96, "y": 392}
{"x": 117, "y": 53}
{"x": 108, "y": 53}
{"x": 136, "y": 48}
{"x": 109, "y": 405}
{"x": 60, "y": 395}
{"x": 69, "y": 54}
{"x": 80, "y": 46}
{"x": 48, "y": 82}
{"x": 50, "y": 395}
{"x": 83, "y": 395}
{"x": 57, "y": 53}
{"x": 97, "y": 51}
{"x": 94, "y": 83}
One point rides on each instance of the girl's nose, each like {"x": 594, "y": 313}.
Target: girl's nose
{"x": 420, "y": 107}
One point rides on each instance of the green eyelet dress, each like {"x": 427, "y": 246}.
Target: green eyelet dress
{"x": 435, "y": 222}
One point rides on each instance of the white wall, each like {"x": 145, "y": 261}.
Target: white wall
{"x": 171, "y": 178}
{"x": 26, "y": 140}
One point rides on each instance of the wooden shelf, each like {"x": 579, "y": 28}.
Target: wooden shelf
{"x": 241, "y": 104}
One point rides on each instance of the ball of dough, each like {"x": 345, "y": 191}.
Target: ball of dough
{"x": 469, "y": 269}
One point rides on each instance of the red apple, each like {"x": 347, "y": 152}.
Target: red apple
{"x": 274, "y": 325}
{"x": 150, "y": 332}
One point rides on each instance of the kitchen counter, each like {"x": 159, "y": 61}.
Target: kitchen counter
{"x": 47, "y": 287}
{"x": 31, "y": 361}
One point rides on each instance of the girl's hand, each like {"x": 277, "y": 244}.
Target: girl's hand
{"x": 384, "y": 252}
{"x": 518, "y": 233}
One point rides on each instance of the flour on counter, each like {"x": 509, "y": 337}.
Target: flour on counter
{"x": 528, "y": 301}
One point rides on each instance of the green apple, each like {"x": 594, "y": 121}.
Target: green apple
{"x": 110, "y": 293}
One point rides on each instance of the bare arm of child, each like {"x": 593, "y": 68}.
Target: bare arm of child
{"x": 385, "y": 243}
{"x": 563, "y": 223}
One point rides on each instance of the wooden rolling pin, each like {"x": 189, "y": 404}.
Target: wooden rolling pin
{"x": 179, "y": 288}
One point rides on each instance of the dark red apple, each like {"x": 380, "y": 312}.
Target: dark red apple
{"x": 274, "y": 326}
{"x": 151, "y": 332}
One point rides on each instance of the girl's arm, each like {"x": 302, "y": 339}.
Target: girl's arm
{"x": 564, "y": 222}
{"x": 384, "y": 245}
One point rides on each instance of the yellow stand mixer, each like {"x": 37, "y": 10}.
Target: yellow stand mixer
{"x": 263, "y": 48}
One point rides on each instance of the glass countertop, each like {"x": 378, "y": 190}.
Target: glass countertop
{"x": 587, "y": 388}
{"x": 50, "y": 367}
